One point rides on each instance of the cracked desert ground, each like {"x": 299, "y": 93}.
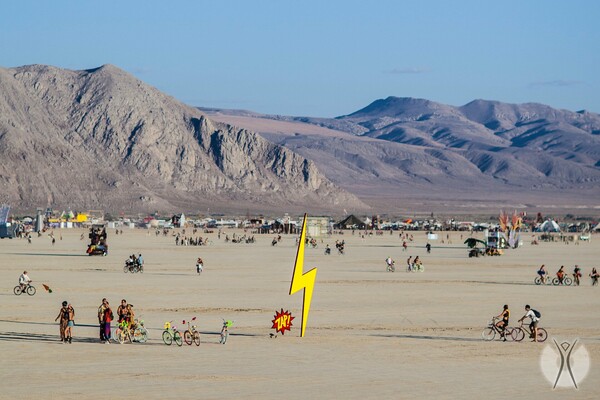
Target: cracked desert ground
{"x": 370, "y": 334}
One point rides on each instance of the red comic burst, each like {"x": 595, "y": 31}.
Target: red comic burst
{"x": 282, "y": 321}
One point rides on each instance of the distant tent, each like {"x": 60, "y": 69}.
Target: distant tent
{"x": 549, "y": 226}
{"x": 350, "y": 222}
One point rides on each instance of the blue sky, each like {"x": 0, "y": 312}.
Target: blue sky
{"x": 322, "y": 58}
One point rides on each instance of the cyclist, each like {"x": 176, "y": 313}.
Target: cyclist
{"x": 503, "y": 323}
{"x": 390, "y": 263}
{"x": 24, "y": 280}
{"x": 576, "y": 274}
{"x": 534, "y": 322}
{"x": 561, "y": 274}
{"x": 542, "y": 273}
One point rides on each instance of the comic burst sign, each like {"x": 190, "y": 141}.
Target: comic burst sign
{"x": 282, "y": 321}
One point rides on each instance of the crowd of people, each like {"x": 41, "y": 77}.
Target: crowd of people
{"x": 561, "y": 274}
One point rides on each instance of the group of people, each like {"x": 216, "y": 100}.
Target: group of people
{"x": 530, "y": 313}
{"x": 125, "y": 314}
{"x": 190, "y": 241}
{"x": 66, "y": 315}
{"x": 414, "y": 265}
{"x": 560, "y": 274}
{"x": 135, "y": 261}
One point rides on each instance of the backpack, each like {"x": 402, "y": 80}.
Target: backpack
{"x": 537, "y": 313}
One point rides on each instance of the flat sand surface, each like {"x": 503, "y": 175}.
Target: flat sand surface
{"x": 371, "y": 333}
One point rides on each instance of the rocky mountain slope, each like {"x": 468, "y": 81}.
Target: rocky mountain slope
{"x": 399, "y": 151}
{"x": 103, "y": 139}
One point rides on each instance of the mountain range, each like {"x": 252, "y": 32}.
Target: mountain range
{"x": 102, "y": 139}
{"x": 416, "y": 154}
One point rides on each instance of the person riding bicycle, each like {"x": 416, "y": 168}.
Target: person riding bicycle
{"x": 24, "y": 280}
{"x": 561, "y": 274}
{"x": 503, "y": 323}
{"x": 534, "y": 322}
{"x": 542, "y": 273}
{"x": 389, "y": 262}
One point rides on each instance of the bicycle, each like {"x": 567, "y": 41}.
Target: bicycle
{"x": 131, "y": 267}
{"x": 566, "y": 281}
{"x": 518, "y": 333}
{"x": 123, "y": 333}
{"x": 171, "y": 333}
{"x": 191, "y": 335}
{"x": 140, "y": 333}
{"x": 390, "y": 266}
{"x": 489, "y": 332}
{"x": 546, "y": 281}
{"x": 225, "y": 330}
{"x": 29, "y": 289}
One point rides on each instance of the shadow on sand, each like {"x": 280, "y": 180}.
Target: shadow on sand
{"x": 428, "y": 337}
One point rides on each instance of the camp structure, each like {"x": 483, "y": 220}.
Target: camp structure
{"x": 548, "y": 226}
{"x": 351, "y": 222}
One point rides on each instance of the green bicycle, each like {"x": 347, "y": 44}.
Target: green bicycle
{"x": 123, "y": 333}
{"x": 171, "y": 334}
{"x": 225, "y": 330}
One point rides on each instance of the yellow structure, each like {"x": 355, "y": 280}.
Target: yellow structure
{"x": 301, "y": 280}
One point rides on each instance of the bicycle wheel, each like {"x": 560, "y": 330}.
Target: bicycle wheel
{"x": 508, "y": 333}
{"x": 138, "y": 335}
{"x": 518, "y": 334}
{"x": 537, "y": 281}
{"x": 30, "y": 290}
{"x": 177, "y": 338}
{"x": 167, "y": 338}
{"x": 17, "y": 290}
{"x": 187, "y": 336}
{"x": 542, "y": 335}
{"x": 555, "y": 281}
{"x": 121, "y": 336}
{"x": 115, "y": 336}
{"x": 568, "y": 281}
{"x": 126, "y": 269}
{"x": 144, "y": 335}
{"x": 197, "y": 338}
{"x": 488, "y": 333}
{"x": 133, "y": 269}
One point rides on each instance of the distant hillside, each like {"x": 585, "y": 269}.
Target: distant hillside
{"x": 103, "y": 139}
{"x": 399, "y": 151}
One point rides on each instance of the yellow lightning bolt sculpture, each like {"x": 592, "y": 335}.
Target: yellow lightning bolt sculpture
{"x": 302, "y": 280}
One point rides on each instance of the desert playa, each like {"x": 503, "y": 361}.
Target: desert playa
{"x": 370, "y": 334}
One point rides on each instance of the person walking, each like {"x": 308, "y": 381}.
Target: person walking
{"x": 199, "y": 265}
{"x": 108, "y": 317}
{"x": 63, "y": 315}
{"x": 70, "y": 324}
{"x": 101, "y": 311}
